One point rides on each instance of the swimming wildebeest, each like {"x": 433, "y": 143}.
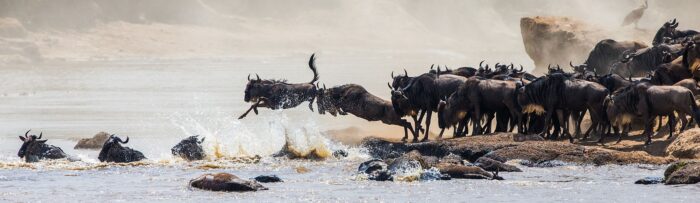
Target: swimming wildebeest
{"x": 190, "y": 149}
{"x": 356, "y": 100}
{"x": 33, "y": 149}
{"x": 668, "y": 34}
{"x": 476, "y": 96}
{"x": 559, "y": 94}
{"x": 225, "y": 182}
{"x": 278, "y": 94}
{"x": 649, "y": 101}
{"x": 113, "y": 151}
{"x": 607, "y": 52}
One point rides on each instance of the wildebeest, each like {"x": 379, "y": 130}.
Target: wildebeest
{"x": 643, "y": 61}
{"x": 668, "y": 34}
{"x": 423, "y": 92}
{"x": 356, "y": 100}
{"x": 190, "y": 149}
{"x": 691, "y": 59}
{"x": 613, "y": 82}
{"x": 559, "y": 94}
{"x": 278, "y": 94}
{"x": 648, "y": 101}
{"x": 113, "y": 151}
{"x": 606, "y": 52}
{"x": 33, "y": 149}
{"x": 476, "y": 96}
{"x": 225, "y": 182}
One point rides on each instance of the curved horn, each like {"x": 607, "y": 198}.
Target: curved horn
{"x": 27, "y": 133}
{"x": 496, "y": 66}
{"x": 248, "y": 76}
{"x": 431, "y": 66}
{"x": 125, "y": 141}
{"x": 388, "y": 84}
{"x": 405, "y": 72}
{"x": 511, "y": 65}
{"x": 571, "y": 64}
{"x": 40, "y": 134}
{"x": 257, "y": 76}
{"x": 482, "y": 61}
{"x": 521, "y": 68}
{"x": 200, "y": 141}
{"x": 392, "y": 74}
{"x": 324, "y": 85}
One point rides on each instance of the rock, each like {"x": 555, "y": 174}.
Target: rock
{"x": 340, "y": 153}
{"x": 225, "y": 182}
{"x": 489, "y": 164}
{"x": 375, "y": 169}
{"x": 503, "y": 147}
{"x": 95, "y": 142}
{"x": 649, "y": 180}
{"x": 556, "y": 40}
{"x": 268, "y": 179}
{"x": 464, "y": 172}
{"x": 682, "y": 173}
{"x": 430, "y": 161}
{"x": 686, "y": 145}
{"x": 452, "y": 159}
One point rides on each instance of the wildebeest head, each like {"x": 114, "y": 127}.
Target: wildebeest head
{"x": 454, "y": 108}
{"x": 400, "y": 102}
{"x": 31, "y": 145}
{"x": 400, "y": 80}
{"x": 666, "y": 31}
{"x": 691, "y": 58}
{"x": 257, "y": 88}
{"x": 190, "y": 148}
{"x": 324, "y": 101}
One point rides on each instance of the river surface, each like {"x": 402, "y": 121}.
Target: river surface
{"x": 158, "y": 103}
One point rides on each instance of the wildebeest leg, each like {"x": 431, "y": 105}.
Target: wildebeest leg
{"x": 442, "y": 130}
{"x": 595, "y": 121}
{"x": 684, "y": 121}
{"x": 427, "y": 126}
{"x": 649, "y": 125}
{"x": 660, "y": 124}
{"x": 463, "y": 129}
{"x": 418, "y": 125}
{"x": 476, "y": 125}
{"x": 561, "y": 115}
{"x": 547, "y": 121}
{"x": 487, "y": 126}
{"x": 254, "y": 106}
{"x": 671, "y": 125}
{"x": 406, "y": 126}
{"x": 311, "y": 104}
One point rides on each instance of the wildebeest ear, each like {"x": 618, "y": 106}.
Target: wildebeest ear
{"x": 22, "y": 138}
{"x": 201, "y": 141}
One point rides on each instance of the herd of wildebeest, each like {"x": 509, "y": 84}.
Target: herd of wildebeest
{"x": 665, "y": 82}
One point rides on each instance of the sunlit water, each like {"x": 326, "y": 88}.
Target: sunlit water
{"x": 158, "y": 103}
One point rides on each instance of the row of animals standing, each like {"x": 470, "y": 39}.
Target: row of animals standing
{"x": 602, "y": 87}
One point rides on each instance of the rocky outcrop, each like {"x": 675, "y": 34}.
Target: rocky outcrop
{"x": 95, "y": 142}
{"x": 686, "y": 145}
{"x": 682, "y": 173}
{"x": 510, "y": 146}
{"x": 225, "y": 182}
{"x": 557, "y": 40}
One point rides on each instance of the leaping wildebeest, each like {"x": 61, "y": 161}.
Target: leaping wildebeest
{"x": 278, "y": 94}
{"x": 356, "y": 100}
{"x": 606, "y": 52}
{"x": 33, "y": 149}
{"x": 113, "y": 151}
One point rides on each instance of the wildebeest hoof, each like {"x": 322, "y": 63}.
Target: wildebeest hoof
{"x": 268, "y": 179}
{"x": 225, "y": 182}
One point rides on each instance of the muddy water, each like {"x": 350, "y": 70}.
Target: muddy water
{"x": 157, "y": 103}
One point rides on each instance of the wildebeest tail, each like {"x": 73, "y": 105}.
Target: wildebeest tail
{"x": 312, "y": 66}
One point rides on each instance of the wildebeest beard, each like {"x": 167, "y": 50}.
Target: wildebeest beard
{"x": 543, "y": 93}
{"x": 278, "y": 94}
